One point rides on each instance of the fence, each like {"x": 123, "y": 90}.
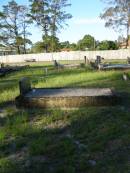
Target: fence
{"x": 75, "y": 55}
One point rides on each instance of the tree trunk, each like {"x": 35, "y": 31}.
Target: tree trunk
{"x": 24, "y": 45}
{"x": 24, "y": 48}
{"x": 127, "y": 40}
{"x": 18, "y": 49}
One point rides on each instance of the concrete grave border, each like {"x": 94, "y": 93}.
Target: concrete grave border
{"x": 64, "y": 97}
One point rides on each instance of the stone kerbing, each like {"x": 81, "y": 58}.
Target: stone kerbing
{"x": 64, "y": 97}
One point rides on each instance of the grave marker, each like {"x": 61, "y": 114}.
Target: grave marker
{"x": 24, "y": 86}
{"x": 128, "y": 60}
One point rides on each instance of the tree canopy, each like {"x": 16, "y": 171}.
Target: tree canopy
{"x": 107, "y": 45}
{"x": 87, "y": 43}
{"x": 50, "y": 15}
{"x": 13, "y": 28}
{"x": 117, "y": 15}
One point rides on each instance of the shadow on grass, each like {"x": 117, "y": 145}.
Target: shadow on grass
{"x": 70, "y": 141}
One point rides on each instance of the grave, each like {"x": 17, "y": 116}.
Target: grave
{"x": 114, "y": 67}
{"x": 86, "y": 60}
{"x": 64, "y": 97}
{"x": 99, "y": 65}
{"x": 30, "y": 60}
{"x": 61, "y": 66}
{"x": 58, "y": 65}
{"x": 97, "y": 62}
{"x": 6, "y": 69}
{"x": 128, "y": 60}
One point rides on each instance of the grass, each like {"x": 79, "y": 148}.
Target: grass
{"x": 85, "y": 140}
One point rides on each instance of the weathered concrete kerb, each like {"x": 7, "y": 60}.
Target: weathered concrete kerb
{"x": 64, "y": 97}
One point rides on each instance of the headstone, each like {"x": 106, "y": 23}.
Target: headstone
{"x": 98, "y": 60}
{"x": 24, "y": 85}
{"x": 128, "y": 60}
{"x": 85, "y": 59}
{"x": 55, "y": 63}
{"x": 2, "y": 65}
{"x": 125, "y": 76}
{"x": 58, "y": 65}
{"x": 100, "y": 66}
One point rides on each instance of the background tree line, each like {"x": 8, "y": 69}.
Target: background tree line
{"x": 88, "y": 42}
{"x": 15, "y": 20}
{"x": 51, "y": 16}
{"x": 117, "y": 15}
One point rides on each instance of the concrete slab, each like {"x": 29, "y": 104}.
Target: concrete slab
{"x": 69, "y": 92}
{"x": 116, "y": 67}
{"x": 68, "y": 97}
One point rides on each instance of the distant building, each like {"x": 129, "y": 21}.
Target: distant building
{"x": 123, "y": 45}
{"x": 6, "y": 51}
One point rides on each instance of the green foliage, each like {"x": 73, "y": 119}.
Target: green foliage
{"x": 38, "y": 47}
{"x": 38, "y": 13}
{"x": 65, "y": 44}
{"x": 58, "y": 15}
{"x": 107, "y": 45}
{"x": 68, "y": 46}
{"x": 2, "y": 135}
{"x": 117, "y": 15}
{"x": 39, "y": 146}
{"x": 50, "y": 15}
{"x": 49, "y": 44}
{"x": 52, "y": 43}
{"x": 14, "y": 31}
{"x": 88, "y": 42}
{"x": 7, "y": 166}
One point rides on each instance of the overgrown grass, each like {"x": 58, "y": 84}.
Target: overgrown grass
{"x": 85, "y": 140}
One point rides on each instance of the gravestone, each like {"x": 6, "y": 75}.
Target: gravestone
{"x": 58, "y": 65}
{"x": 100, "y": 66}
{"x": 128, "y": 60}
{"x": 55, "y": 63}
{"x": 85, "y": 59}
{"x": 2, "y": 65}
{"x": 98, "y": 60}
{"x": 125, "y": 76}
{"x": 24, "y": 86}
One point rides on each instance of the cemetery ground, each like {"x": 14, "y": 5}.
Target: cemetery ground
{"x": 80, "y": 140}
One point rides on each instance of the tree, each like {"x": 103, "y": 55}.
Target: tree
{"x": 107, "y": 45}
{"x": 2, "y": 36}
{"x": 25, "y": 23}
{"x": 65, "y": 44}
{"x": 38, "y": 47}
{"x": 117, "y": 15}
{"x": 39, "y": 12}
{"x": 51, "y": 42}
{"x": 50, "y": 15}
{"x": 88, "y": 42}
{"x": 11, "y": 24}
{"x": 58, "y": 15}
{"x": 68, "y": 46}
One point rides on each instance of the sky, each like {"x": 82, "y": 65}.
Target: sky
{"x": 85, "y": 20}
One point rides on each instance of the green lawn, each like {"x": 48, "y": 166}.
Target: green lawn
{"x": 85, "y": 140}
